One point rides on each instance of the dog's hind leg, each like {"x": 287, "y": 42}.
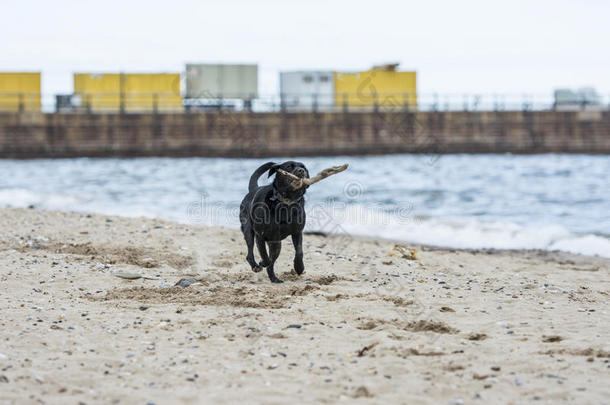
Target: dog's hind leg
{"x": 297, "y": 241}
{"x": 274, "y": 252}
{"x": 249, "y": 237}
{"x": 262, "y": 250}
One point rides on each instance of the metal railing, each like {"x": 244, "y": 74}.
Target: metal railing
{"x": 162, "y": 102}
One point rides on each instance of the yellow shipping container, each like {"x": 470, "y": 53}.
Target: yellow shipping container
{"x": 99, "y": 91}
{"x": 133, "y": 91}
{"x": 19, "y": 91}
{"x": 142, "y": 91}
{"x": 386, "y": 88}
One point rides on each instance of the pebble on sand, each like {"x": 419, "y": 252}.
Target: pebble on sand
{"x": 185, "y": 282}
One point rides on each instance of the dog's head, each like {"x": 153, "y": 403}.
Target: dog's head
{"x": 283, "y": 184}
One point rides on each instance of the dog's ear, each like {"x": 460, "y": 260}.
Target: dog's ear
{"x": 273, "y": 169}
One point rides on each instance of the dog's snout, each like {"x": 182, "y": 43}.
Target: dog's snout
{"x": 299, "y": 171}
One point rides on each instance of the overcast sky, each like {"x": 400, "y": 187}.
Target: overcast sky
{"x": 472, "y": 46}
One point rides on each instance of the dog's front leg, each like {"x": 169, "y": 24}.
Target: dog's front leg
{"x": 274, "y": 253}
{"x": 297, "y": 241}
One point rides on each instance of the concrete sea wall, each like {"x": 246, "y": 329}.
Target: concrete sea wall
{"x": 246, "y": 134}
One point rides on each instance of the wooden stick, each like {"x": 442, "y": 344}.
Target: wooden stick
{"x": 302, "y": 182}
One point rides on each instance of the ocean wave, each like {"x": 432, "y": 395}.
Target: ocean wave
{"x": 463, "y": 233}
{"x": 20, "y": 197}
{"x": 353, "y": 219}
{"x": 460, "y": 201}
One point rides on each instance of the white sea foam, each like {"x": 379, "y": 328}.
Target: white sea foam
{"x": 19, "y": 197}
{"x": 464, "y": 233}
{"x": 586, "y": 244}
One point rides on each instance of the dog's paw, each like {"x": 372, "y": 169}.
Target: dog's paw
{"x": 276, "y": 280}
{"x": 257, "y": 269}
{"x": 299, "y": 268}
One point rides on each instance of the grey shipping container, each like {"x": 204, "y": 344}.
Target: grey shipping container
{"x": 307, "y": 89}
{"x": 221, "y": 81}
{"x": 586, "y": 98}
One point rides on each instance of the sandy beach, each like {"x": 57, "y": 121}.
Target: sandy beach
{"x": 367, "y": 322}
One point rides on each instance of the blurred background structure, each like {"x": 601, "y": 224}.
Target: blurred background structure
{"x": 199, "y": 78}
{"x": 216, "y": 110}
{"x": 234, "y": 87}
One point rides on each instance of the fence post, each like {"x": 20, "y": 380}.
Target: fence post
{"x": 345, "y": 104}
{"x": 155, "y": 103}
{"x": 122, "y": 102}
{"x": 122, "y": 92}
{"x": 406, "y": 104}
{"x": 525, "y": 105}
{"x": 21, "y": 103}
{"x": 248, "y": 102}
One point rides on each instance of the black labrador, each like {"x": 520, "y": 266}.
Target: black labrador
{"x": 270, "y": 213}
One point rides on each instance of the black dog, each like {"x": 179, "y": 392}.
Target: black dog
{"x": 269, "y": 214}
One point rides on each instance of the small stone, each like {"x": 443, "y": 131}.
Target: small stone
{"x": 143, "y": 308}
{"x": 477, "y": 336}
{"x": 362, "y": 392}
{"x": 127, "y": 275}
{"x": 294, "y": 325}
{"x": 495, "y": 368}
{"x": 185, "y": 282}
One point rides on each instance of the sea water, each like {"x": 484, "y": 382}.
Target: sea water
{"x": 553, "y": 202}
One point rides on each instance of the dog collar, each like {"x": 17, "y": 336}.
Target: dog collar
{"x": 277, "y": 196}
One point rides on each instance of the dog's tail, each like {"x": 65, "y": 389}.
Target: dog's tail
{"x": 258, "y": 173}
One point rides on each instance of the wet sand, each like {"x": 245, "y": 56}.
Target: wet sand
{"x": 364, "y": 323}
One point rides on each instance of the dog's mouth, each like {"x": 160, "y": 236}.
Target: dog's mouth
{"x": 300, "y": 173}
